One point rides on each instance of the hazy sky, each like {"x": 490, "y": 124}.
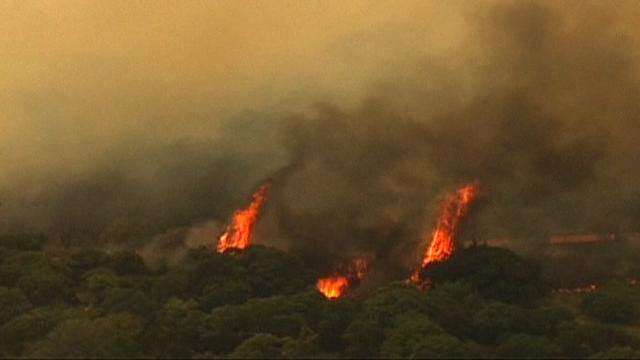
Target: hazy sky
{"x": 127, "y": 107}
{"x": 78, "y": 77}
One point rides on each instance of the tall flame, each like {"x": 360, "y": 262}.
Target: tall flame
{"x": 455, "y": 208}
{"x": 334, "y": 287}
{"x": 238, "y": 233}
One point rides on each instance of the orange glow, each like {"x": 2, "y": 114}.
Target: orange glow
{"x": 443, "y": 238}
{"x": 334, "y": 287}
{"x": 359, "y": 268}
{"x": 415, "y": 277}
{"x": 238, "y": 233}
{"x": 455, "y": 209}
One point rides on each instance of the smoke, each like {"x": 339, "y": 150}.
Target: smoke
{"x": 168, "y": 112}
{"x": 158, "y": 127}
{"x": 541, "y": 108}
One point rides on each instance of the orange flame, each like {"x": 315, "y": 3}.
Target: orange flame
{"x": 238, "y": 233}
{"x": 442, "y": 244}
{"x": 334, "y": 287}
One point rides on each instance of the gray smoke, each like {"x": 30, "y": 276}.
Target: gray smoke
{"x": 537, "y": 100}
{"x": 544, "y": 113}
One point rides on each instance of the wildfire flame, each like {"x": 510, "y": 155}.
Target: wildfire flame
{"x": 238, "y": 233}
{"x": 334, "y": 287}
{"x": 455, "y": 208}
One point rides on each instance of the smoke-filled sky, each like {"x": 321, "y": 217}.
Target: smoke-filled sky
{"x": 362, "y": 113}
{"x": 94, "y": 74}
{"x": 88, "y": 85}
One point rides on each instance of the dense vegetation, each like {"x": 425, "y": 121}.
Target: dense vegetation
{"x": 484, "y": 302}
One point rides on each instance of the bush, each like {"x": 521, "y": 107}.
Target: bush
{"x": 12, "y": 303}
{"x": 24, "y": 242}
{"x": 46, "y": 287}
{"x": 612, "y": 305}
{"x": 88, "y": 259}
{"x": 443, "y": 346}
{"x": 113, "y": 336}
{"x": 259, "y": 346}
{"x": 618, "y": 352}
{"x": 529, "y": 347}
{"x": 494, "y": 273}
{"x": 127, "y": 263}
{"x": 580, "y": 341}
{"x": 407, "y": 334}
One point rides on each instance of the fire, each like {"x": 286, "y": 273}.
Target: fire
{"x": 238, "y": 233}
{"x": 455, "y": 208}
{"x": 334, "y": 287}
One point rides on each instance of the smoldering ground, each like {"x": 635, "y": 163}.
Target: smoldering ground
{"x": 536, "y": 100}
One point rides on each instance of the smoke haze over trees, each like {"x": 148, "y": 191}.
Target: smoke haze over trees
{"x": 142, "y": 128}
{"x": 537, "y": 101}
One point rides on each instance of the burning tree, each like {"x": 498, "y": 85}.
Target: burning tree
{"x": 238, "y": 233}
{"x": 334, "y": 286}
{"x": 442, "y": 245}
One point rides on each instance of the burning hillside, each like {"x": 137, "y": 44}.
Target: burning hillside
{"x": 455, "y": 207}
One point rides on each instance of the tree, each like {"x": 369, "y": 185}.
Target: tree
{"x": 173, "y": 283}
{"x": 226, "y": 293}
{"x": 543, "y": 320}
{"x": 133, "y": 301}
{"x": 112, "y": 336}
{"x": 527, "y": 346}
{"x": 304, "y": 347}
{"x": 21, "y": 263}
{"x": 618, "y": 352}
{"x": 87, "y": 259}
{"x": 259, "y": 346}
{"x": 336, "y": 317}
{"x": 23, "y": 242}
{"x": 408, "y": 330}
{"x": 452, "y": 306}
{"x": 363, "y": 338}
{"x": 46, "y": 287}
{"x": 180, "y": 330}
{"x": 203, "y": 268}
{"x": 612, "y": 304}
{"x": 443, "y": 346}
{"x": 273, "y": 272}
{"x": 395, "y": 299}
{"x": 28, "y": 327}
{"x": 494, "y": 273}
{"x": 580, "y": 341}
{"x": 96, "y": 283}
{"x": 281, "y": 316}
{"x": 495, "y": 321}
{"x": 127, "y": 263}
{"x": 12, "y": 303}
{"x": 365, "y": 334}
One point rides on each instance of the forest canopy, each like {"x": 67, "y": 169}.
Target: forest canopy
{"x": 262, "y": 303}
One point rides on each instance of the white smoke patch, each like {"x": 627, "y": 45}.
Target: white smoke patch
{"x": 204, "y": 235}
{"x": 173, "y": 245}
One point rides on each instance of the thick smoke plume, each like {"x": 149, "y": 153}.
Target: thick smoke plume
{"x": 537, "y": 100}
{"x": 542, "y": 109}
